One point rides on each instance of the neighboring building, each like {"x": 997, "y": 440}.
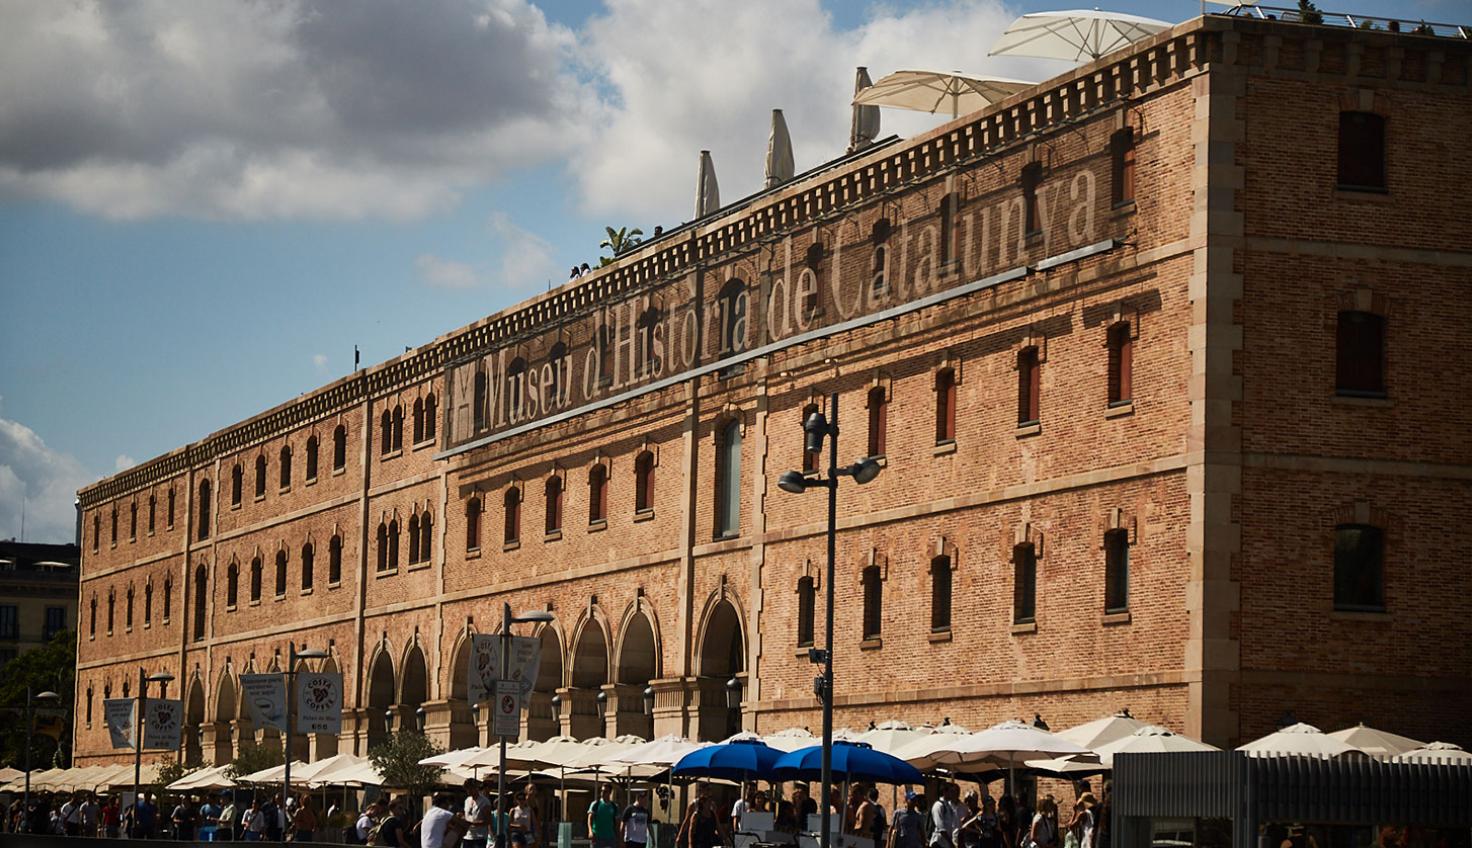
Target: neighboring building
{"x": 38, "y": 595}
{"x": 1167, "y": 359}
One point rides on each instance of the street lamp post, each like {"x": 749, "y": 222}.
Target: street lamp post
{"x": 815, "y": 429}
{"x": 47, "y": 696}
{"x": 139, "y": 722}
{"x": 507, "y": 619}
{"x": 292, "y": 655}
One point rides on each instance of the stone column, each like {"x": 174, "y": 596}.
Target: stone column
{"x": 440, "y": 719}
{"x": 580, "y": 713}
{"x": 673, "y": 698}
{"x": 217, "y": 748}
{"x": 537, "y": 721}
{"x": 625, "y": 715}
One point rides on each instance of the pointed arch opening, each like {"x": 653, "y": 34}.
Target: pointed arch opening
{"x": 722, "y": 658}
{"x": 638, "y": 663}
{"x": 380, "y": 698}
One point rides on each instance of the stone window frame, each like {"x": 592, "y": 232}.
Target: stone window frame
{"x": 1356, "y": 296}
{"x": 1032, "y": 337}
{"x": 1112, "y": 519}
{"x": 950, "y": 360}
{"x": 875, "y": 562}
{"x": 1130, "y": 315}
{"x": 1363, "y": 511}
{"x": 650, "y": 447}
{"x": 1026, "y": 532}
{"x": 940, "y": 547}
{"x": 600, "y": 459}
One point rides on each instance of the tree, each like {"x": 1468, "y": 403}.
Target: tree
{"x": 170, "y": 770}
{"x": 398, "y": 761}
{"x": 620, "y": 241}
{"x": 1309, "y": 13}
{"x": 255, "y": 758}
{"x": 51, "y": 667}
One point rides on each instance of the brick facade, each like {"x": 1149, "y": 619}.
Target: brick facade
{"x": 1227, "y": 468}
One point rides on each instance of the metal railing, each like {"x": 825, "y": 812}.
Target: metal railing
{"x": 1293, "y": 14}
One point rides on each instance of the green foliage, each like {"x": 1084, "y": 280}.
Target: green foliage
{"x": 398, "y": 761}
{"x": 51, "y": 667}
{"x": 253, "y": 759}
{"x": 1309, "y": 13}
{"x": 620, "y": 241}
{"x": 170, "y": 770}
{"x": 1423, "y": 29}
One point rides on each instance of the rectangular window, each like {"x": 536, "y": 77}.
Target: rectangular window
{"x": 806, "y": 597}
{"x": 1024, "y": 583}
{"x": 55, "y": 621}
{"x": 1359, "y": 366}
{"x": 1032, "y": 177}
{"x": 1121, "y": 364}
{"x": 728, "y": 481}
{"x": 1122, "y": 160}
{"x": 9, "y": 621}
{"x": 1359, "y": 568}
{"x": 945, "y": 406}
{"x": 878, "y": 420}
{"x": 940, "y": 594}
{"x": 1361, "y": 151}
{"x": 873, "y": 603}
{"x": 1029, "y": 386}
{"x": 1116, "y": 571}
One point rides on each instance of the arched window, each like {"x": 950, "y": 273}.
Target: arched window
{"x": 728, "y": 480}
{"x": 431, "y": 410}
{"x": 1116, "y": 570}
{"x": 312, "y": 457}
{"x": 605, "y": 353}
{"x": 280, "y": 573}
{"x": 309, "y": 558}
{"x": 399, "y": 427}
{"x": 1024, "y": 583}
{"x": 940, "y": 594}
{"x": 1359, "y": 568}
{"x": 204, "y": 509}
{"x": 148, "y": 603}
{"x": 168, "y": 598}
{"x": 89, "y": 705}
{"x": 201, "y": 595}
{"x": 472, "y": 524}
{"x": 237, "y": 485}
{"x": 133, "y": 521}
{"x": 644, "y": 481}
{"x": 426, "y": 527}
{"x": 232, "y": 584}
{"x": 334, "y": 561}
{"x": 878, "y": 403}
{"x": 128, "y": 610}
{"x": 1121, "y": 364}
{"x": 413, "y": 538}
{"x": 152, "y": 512}
{"x": 597, "y": 493}
{"x": 1361, "y": 151}
{"x": 382, "y": 546}
{"x": 1029, "y": 386}
{"x": 339, "y": 448}
{"x": 418, "y": 420}
{"x": 1122, "y": 166}
{"x": 806, "y": 599}
{"x": 810, "y": 459}
{"x": 1359, "y": 363}
{"x": 393, "y": 543}
{"x": 261, "y": 476}
{"x": 945, "y": 406}
{"x": 873, "y": 603}
{"x": 255, "y": 579}
{"x": 385, "y": 433}
{"x": 511, "y": 503}
{"x": 1032, "y": 177}
{"x": 644, "y": 352}
{"x": 285, "y": 463}
{"x": 732, "y": 304}
{"x": 552, "y": 496}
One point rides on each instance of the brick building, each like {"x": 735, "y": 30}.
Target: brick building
{"x": 38, "y": 595}
{"x": 1139, "y": 348}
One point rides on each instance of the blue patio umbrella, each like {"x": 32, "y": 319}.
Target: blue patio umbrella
{"x": 743, "y": 759}
{"x": 851, "y": 761}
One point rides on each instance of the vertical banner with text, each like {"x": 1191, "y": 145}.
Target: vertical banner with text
{"x": 163, "y": 723}
{"x": 485, "y": 665}
{"x": 265, "y": 696}
{"x": 117, "y": 713}
{"x": 318, "y": 702}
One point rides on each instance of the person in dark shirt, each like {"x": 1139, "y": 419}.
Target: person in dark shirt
{"x": 393, "y": 832}
{"x": 183, "y": 818}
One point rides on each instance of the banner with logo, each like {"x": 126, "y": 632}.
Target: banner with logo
{"x": 485, "y": 665}
{"x": 265, "y": 696}
{"x": 163, "y": 723}
{"x": 318, "y": 702}
{"x": 117, "y": 714}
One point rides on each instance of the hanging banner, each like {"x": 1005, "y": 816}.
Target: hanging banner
{"x": 117, "y": 714}
{"x": 265, "y": 695}
{"x": 163, "y": 722}
{"x": 485, "y": 665}
{"x": 318, "y": 702}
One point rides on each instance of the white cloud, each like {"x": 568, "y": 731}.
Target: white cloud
{"x": 319, "y": 361}
{"x": 445, "y": 273}
{"x": 44, "y": 479}
{"x": 526, "y": 258}
{"x": 123, "y": 462}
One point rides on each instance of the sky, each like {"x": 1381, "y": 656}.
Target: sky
{"x": 205, "y": 206}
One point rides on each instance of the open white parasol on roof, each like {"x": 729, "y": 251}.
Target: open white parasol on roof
{"x": 1436, "y": 752}
{"x": 1298, "y": 740}
{"x": 1102, "y": 731}
{"x": 1380, "y": 743}
{"x": 1074, "y": 35}
{"x": 937, "y": 91}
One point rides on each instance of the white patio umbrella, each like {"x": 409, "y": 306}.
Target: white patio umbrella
{"x": 1150, "y": 739}
{"x": 208, "y": 778}
{"x": 1074, "y": 35}
{"x": 1002, "y": 745}
{"x": 450, "y": 759}
{"x": 272, "y": 774}
{"x": 1298, "y": 740}
{"x": 1380, "y": 743}
{"x": 934, "y": 91}
{"x": 780, "y": 167}
{"x": 1070, "y": 766}
{"x": 8, "y": 774}
{"x": 520, "y": 755}
{"x": 1436, "y": 752}
{"x": 890, "y": 736}
{"x": 663, "y": 752}
{"x": 707, "y": 193}
{"x": 792, "y": 738}
{"x": 1102, "y": 731}
{"x": 864, "y": 124}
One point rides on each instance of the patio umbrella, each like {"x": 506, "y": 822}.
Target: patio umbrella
{"x": 707, "y": 193}
{"x": 1298, "y": 740}
{"x": 209, "y": 778}
{"x": 8, "y": 774}
{"x": 1075, "y": 35}
{"x": 743, "y": 759}
{"x": 890, "y": 736}
{"x": 780, "y": 166}
{"x": 1380, "y": 743}
{"x": 932, "y": 91}
{"x": 664, "y": 751}
{"x": 1072, "y": 766}
{"x": 1000, "y": 745}
{"x": 1150, "y": 739}
{"x": 451, "y": 758}
{"x": 1436, "y": 752}
{"x": 864, "y": 126}
{"x": 272, "y": 774}
{"x": 851, "y": 761}
{"x": 791, "y": 739}
{"x": 1102, "y": 731}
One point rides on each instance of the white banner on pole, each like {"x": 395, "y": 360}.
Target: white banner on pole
{"x": 485, "y": 665}
{"x": 318, "y": 702}
{"x": 117, "y": 714}
{"x": 506, "y": 717}
{"x": 163, "y": 723}
{"x": 265, "y": 695}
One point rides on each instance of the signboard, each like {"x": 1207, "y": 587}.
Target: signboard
{"x": 506, "y": 717}
{"x": 265, "y": 696}
{"x": 318, "y": 702}
{"x": 485, "y": 665}
{"x": 117, "y": 714}
{"x": 162, "y": 724}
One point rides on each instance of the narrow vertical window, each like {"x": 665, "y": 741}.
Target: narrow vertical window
{"x": 553, "y": 383}
{"x": 96, "y": 532}
{"x": 1024, "y": 583}
{"x": 552, "y": 495}
{"x": 516, "y": 388}
{"x": 382, "y": 546}
{"x": 92, "y": 620}
{"x": 111, "y": 606}
{"x": 644, "y": 481}
{"x": 309, "y": 561}
{"x": 168, "y": 598}
{"x": 940, "y": 593}
{"x": 285, "y": 463}
{"x": 806, "y": 601}
{"x": 946, "y": 240}
{"x": 1029, "y": 386}
{"x": 873, "y": 603}
{"x": 478, "y": 401}
{"x": 232, "y": 584}
{"x": 1361, "y": 151}
{"x": 414, "y": 538}
{"x": 597, "y": 493}
{"x": 280, "y": 573}
{"x": 431, "y": 410}
{"x": 472, "y": 524}
{"x": 237, "y": 485}
{"x": 1121, "y": 364}
{"x": 201, "y": 597}
{"x": 728, "y": 480}
{"x": 312, "y": 457}
{"x": 261, "y": 476}
{"x": 1116, "y": 571}
{"x": 878, "y": 420}
{"x": 148, "y": 603}
{"x": 339, "y": 448}
{"x": 204, "y": 510}
{"x": 334, "y": 561}
{"x": 512, "y": 508}
{"x": 732, "y": 303}
{"x": 878, "y": 278}
{"x": 1032, "y": 177}
{"x": 1359, "y": 341}
{"x": 114, "y": 529}
{"x": 170, "y": 524}
{"x": 133, "y": 521}
{"x": 255, "y": 578}
{"x": 128, "y": 609}
{"x": 418, "y": 420}
{"x": 945, "y": 405}
{"x": 1122, "y": 166}
{"x": 152, "y": 512}
{"x": 399, "y": 427}
{"x": 89, "y": 705}
{"x": 810, "y": 459}
{"x": 1359, "y": 568}
{"x": 426, "y": 535}
{"x": 385, "y": 433}
{"x": 393, "y": 544}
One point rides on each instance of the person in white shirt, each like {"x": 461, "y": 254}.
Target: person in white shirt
{"x": 745, "y": 804}
{"x": 438, "y": 823}
{"x": 480, "y": 812}
{"x": 943, "y": 819}
{"x": 368, "y": 821}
